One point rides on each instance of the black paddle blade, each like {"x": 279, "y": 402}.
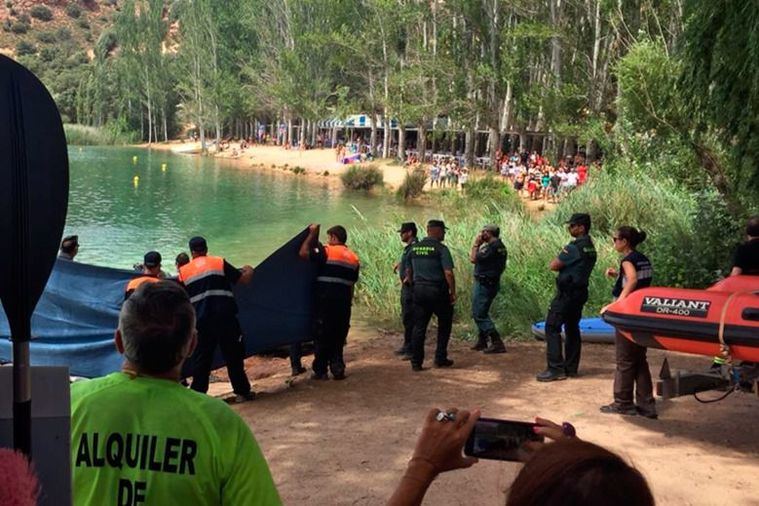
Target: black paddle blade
{"x": 34, "y": 188}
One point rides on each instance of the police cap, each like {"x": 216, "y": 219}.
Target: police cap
{"x": 436, "y": 223}
{"x": 580, "y": 219}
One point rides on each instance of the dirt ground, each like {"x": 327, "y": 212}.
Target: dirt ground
{"x": 347, "y": 443}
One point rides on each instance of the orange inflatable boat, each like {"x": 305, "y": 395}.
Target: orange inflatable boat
{"x": 693, "y": 321}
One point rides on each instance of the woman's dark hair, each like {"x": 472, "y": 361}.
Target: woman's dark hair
{"x": 577, "y": 473}
{"x": 632, "y": 235}
{"x": 752, "y": 226}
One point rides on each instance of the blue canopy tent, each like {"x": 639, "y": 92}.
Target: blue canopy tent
{"x": 75, "y": 319}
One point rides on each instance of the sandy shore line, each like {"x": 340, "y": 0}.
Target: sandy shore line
{"x": 316, "y": 162}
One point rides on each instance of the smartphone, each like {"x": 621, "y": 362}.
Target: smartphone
{"x": 500, "y": 439}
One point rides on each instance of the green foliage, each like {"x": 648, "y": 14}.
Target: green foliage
{"x": 73, "y": 11}
{"x": 19, "y": 27}
{"x": 362, "y": 177}
{"x": 413, "y": 184}
{"x": 299, "y": 170}
{"x": 7, "y": 25}
{"x": 8, "y": 4}
{"x": 41, "y": 12}
{"x": 83, "y": 23}
{"x": 45, "y": 37}
{"x": 111, "y": 134}
{"x": 24, "y": 48}
{"x": 63, "y": 34}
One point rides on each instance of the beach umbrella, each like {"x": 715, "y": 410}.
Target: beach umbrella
{"x": 34, "y": 184}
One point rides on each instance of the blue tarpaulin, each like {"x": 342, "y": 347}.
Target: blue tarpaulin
{"x": 74, "y": 322}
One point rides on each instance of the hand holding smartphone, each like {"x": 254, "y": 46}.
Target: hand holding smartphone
{"x": 501, "y": 439}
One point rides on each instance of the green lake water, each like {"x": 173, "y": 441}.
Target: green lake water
{"x": 244, "y": 215}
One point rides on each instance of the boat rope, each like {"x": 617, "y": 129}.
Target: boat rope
{"x": 724, "y": 348}
{"x": 720, "y": 398}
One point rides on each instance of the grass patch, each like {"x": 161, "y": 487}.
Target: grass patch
{"x": 413, "y": 184}
{"x": 359, "y": 177}
{"x": 81, "y": 135}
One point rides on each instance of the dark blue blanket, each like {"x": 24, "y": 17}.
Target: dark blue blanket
{"x": 76, "y": 317}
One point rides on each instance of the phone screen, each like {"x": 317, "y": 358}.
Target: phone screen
{"x": 500, "y": 439}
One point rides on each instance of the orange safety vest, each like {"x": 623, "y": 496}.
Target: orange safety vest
{"x": 136, "y": 282}
{"x": 341, "y": 266}
{"x": 204, "y": 277}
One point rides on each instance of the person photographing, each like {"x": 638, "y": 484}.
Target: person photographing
{"x": 489, "y": 256}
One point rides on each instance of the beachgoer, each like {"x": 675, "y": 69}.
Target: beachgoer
{"x": 632, "y": 374}
{"x": 435, "y": 175}
{"x": 429, "y": 265}
{"x": 139, "y": 437}
{"x": 151, "y": 273}
{"x": 408, "y": 237}
{"x": 574, "y": 264}
{"x": 338, "y": 269}
{"x": 69, "y": 247}
{"x": 567, "y": 471}
{"x": 209, "y": 280}
{"x": 488, "y": 255}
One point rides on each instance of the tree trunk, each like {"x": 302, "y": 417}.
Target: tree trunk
{"x": 401, "y": 142}
{"x": 386, "y": 133}
{"x": 469, "y": 142}
{"x": 334, "y": 136}
{"x": 289, "y": 138}
{"x": 421, "y": 142}
{"x": 373, "y": 136}
{"x": 495, "y": 144}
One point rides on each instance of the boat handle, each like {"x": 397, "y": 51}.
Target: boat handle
{"x": 751, "y": 314}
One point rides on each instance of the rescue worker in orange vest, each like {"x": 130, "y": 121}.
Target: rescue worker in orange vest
{"x": 151, "y": 273}
{"x": 208, "y": 281}
{"x": 333, "y": 296}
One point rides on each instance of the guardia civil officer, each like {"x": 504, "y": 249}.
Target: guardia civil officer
{"x": 208, "y": 281}
{"x": 489, "y": 258}
{"x": 151, "y": 273}
{"x": 574, "y": 264}
{"x": 337, "y": 274}
{"x": 429, "y": 266}
{"x": 408, "y": 236}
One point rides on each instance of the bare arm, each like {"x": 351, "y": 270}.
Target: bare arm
{"x": 475, "y": 248}
{"x": 247, "y": 275}
{"x": 631, "y": 278}
{"x": 737, "y": 271}
{"x": 313, "y": 233}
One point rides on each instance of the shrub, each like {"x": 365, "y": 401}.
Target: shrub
{"x": 362, "y": 177}
{"x": 299, "y": 170}
{"x": 83, "y": 23}
{"x": 46, "y": 37}
{"x": 19, "y": 27}
{"x": 24, "y": 18}
{"x": 48, "y": 54}
{"x": 413, "y": 184}
{"x": 24, "y": 48}
{"x": 73, "y": 11}
{"x": 41, "y": 12}
{"x": 63, "y": 34}
{"x": 7, "y": 25}
{"x": 113, "y": 133}
{"x": 8, "y": 4}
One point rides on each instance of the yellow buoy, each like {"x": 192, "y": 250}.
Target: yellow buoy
{"x": 80, "y": 150}
{"x": 163, "y": 167}
{"x": 136, "y": 180}
{"x": 134, "y": 159}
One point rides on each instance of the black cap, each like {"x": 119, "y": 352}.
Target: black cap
{"x": 580, "y": 219}
{"x": 409, "y": 226}
{"x": 198, "y": 243}
{"x": 152, "y": 259}
{"x": 437, "y": 223}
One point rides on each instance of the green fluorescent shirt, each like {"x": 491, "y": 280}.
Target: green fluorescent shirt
{"x": 151, "y": 441}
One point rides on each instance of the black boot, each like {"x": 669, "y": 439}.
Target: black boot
{"x": 496, "y": 345}
{"x": 482, "y": 342}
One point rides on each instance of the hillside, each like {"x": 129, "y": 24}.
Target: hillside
{"x": 57, "y": 39}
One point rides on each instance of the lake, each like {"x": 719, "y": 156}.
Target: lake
{"x": 244, "y": 214}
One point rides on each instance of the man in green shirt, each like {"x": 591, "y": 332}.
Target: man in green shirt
{"x": 574, "y": 264}
{"x": 139, "y": 437}
{"x": 430, "y": 267}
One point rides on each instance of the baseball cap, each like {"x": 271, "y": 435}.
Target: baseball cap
{"x": 579, "y": 219}
{"x": 437, "y": 223}
{"x": 408, "y": 226}
{"x": 198, "y": 243}
{"x": 152, "y": 259}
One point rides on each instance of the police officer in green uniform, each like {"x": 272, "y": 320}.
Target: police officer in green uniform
{"x": 489, "y": 258}
{"x": 574, "y": 264}
{"x": 408, "y": 236}
{"x": 429, "y": 266}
